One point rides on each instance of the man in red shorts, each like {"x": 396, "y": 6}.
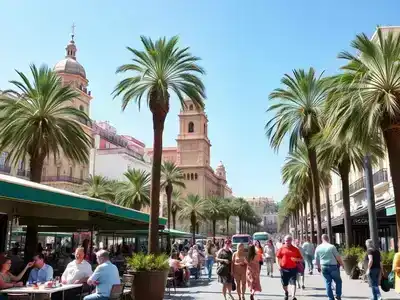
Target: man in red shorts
{"x": 287, "y": 258}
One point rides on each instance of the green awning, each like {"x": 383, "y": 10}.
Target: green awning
{"x": 17, "y": 189}
{"x": 58, "y": 234}
{"x": 172, "y": 232}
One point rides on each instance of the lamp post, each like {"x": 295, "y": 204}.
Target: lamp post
{"x": 369, "y": 182}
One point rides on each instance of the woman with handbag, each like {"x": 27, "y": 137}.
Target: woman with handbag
{"x": 253, "y": 272}
{"x": 224, "y": 269}
{"x": 396, "y": 271}
{"x": 301, "y": 265}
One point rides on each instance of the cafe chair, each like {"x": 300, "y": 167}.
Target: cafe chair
{"x": 127, "y": 280}
{"x": 117, "y": 292}
{"x": 171, "y": 280}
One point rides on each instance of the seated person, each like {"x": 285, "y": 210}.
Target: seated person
{"x": 191, "y": 262}
{"x": 8, "y": 280}
{"x": 104, "y": 277}
{"x": 178, "y": 269}
{"x": 77, "y": 271}
{"x": 41, "y": 272}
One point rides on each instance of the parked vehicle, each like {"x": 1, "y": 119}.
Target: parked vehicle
{"x": 263, "y": 237}
{"x": 245, "y": 239}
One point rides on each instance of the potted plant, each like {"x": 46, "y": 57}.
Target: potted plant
{"x": 351, "y": 257}
{"x": 387, "y": 261}
{"x": 150, "y": 275}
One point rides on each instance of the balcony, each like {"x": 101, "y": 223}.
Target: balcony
{"x": 357, "y": 187}
{"x": 5, "y": 169}
{"x": 338, "y": 196}
{"x": 62, "y": 179}
{"x": 380, "y": 178}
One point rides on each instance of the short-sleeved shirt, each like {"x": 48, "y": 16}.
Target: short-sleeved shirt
{"x": 286, "y": 254}
{"x": 326, "y": 254}
{"x": 77, "y": 271}
{"x": 308, "y": 248}
{"x": 41, "y": 275}
{"x": 107, "y": 275}
{"x": 376, "y": 258}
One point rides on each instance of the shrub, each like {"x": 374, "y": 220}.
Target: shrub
{"x": 387, "y": 257}
{"x": 142, "y": 262}
{"x": 354, "y": 252}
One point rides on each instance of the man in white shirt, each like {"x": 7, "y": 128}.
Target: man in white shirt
{"x": 78, "y": 270}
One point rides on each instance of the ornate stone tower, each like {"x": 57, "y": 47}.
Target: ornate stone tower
{"x": 193, "y": 143}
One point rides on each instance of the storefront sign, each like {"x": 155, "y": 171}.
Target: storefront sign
{"x": 390, "y": 211}
{"x": 360, "y": 221}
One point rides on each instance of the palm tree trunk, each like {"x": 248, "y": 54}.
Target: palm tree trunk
{"x": 305, "y": 220}
{"x": 301, "y": 223}
{"x": 36, "y": 167}
{"x": 168, "y": 191}
{"x": 193, "y": 221}
{"x": 392, "y": 138}
{"x": 159, "y": 114}
{"x": 240, "y": 225}
{"x": 174, "y": 220}
{"x": 311, "y": 214}
{"x": 312, "y": 156}
{"x": 344, "y": 170}
{"x": 328, "y": 215}
{"x": 214, "y": 225}
{"x": 227, "y": 226}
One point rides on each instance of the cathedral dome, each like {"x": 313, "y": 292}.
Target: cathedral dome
{"x": 220, "y": 165}
{"x": 70, "y": 66}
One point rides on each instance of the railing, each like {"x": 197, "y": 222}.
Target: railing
{"x": 5, "y": 169}
{"x": 62, "y": 178}
{"x": 338, "y": 196}
{"x": 380, "y": 176}
{"x": 357, "y": 185}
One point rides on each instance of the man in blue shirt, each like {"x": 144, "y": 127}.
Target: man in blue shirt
{"x": 41, "y": 272}
{"x": 104, "y": 277}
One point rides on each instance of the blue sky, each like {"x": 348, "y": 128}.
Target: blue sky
{"x": 246, "y": 47}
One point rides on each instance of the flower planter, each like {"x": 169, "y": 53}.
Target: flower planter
{"x": 349, "y": 263}
{"x": 149, "y": 285}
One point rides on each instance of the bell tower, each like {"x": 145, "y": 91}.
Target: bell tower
{"x": 193, "y": 143}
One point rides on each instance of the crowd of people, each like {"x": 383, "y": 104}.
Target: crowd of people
{"x": 240, "y": 270}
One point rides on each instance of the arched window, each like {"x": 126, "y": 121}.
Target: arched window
{"x": 81, "y": 108}
{"x": 191, "y": 107}
{"x": 188, "y": 176}
{"x": 195, "y": 176}
{"x": 191, "y": 176}
{"x": 191, "y": 127}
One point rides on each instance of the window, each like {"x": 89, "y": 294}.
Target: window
{"x": 81, "y": 108}
{"x": 58, "y": 171}
{"x": 195, "y": 176}
{"x": 191, "y": 107}
{"x": 191, "y": 176}
{"x": 70, "y": 171}
{"x": 205, "y": 129}
{"x": 188, "y": 176}
{"x": 3, "y": 158}
{"x": 191, "y": 127}
{"x": 81, "y": 174}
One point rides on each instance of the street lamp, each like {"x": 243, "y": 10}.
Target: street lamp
{"x": 369, "y": 182}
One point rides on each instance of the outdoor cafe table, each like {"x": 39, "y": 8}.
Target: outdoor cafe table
{"x": 41, "y": 290}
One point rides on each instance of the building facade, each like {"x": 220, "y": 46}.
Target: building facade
{"x": 266, "y": 208}
{"x": 114, "y": 154}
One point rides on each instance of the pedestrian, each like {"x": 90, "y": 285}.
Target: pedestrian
{"x": 239, "y": 268}
{"x": 224, "y": 269}
{"x": 278, "y": 244}
{"x": 210, "y": 257}
{"x": 374, "y": 269}
{"x": 300, "y": 265}
{"x": 328, "y": 260}
{"x": 253, "y": 272}
{"x": 396, "y": 270}
{"x": 309, "y": 249}
{"x": 287, "y": 258}
{"x": 259, "y": 253}
{"x": 269, "y": 254}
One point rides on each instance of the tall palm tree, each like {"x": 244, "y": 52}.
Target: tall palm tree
{"x": 161, "y": 68}
{"x": 98, "y": 187}
{"x": 176, "y": 199}
{"x": 171, "y": 176}
{"x": 297, "y": 116}
{"x": 341, "y": 156}
{"x": 214, "y": 210}
{"x": 192, "y": 208}
{"x": 369, "y": 97}
{"x": 228, "y": 212}
{"x": 241, "y": 208}
{"x": 37, "y": 120}
{"x": 135, "y": 192}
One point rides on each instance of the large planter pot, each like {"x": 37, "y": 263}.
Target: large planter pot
{"x": 149, "y": 285}
{"x": 349, "y": 263}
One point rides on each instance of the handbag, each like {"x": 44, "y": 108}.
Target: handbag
{"x": 391, "y": 279}
{"x": 300, "y": 268}
{"x": 385, "y": 284}
{"x": 221, "y": 269}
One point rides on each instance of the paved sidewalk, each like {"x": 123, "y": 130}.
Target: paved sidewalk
{"x": 272, "y": 290}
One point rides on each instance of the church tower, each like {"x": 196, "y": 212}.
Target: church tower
{"x": 193, "y": 143}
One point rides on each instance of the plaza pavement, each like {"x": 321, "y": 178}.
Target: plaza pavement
{"x": 202, "y": 289}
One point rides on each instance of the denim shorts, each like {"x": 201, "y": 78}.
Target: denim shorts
{"x": 288, "y": 276}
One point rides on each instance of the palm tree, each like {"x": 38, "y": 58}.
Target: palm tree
{"x": 297, "y": 115}
{"x": 135, "y": 192}
{"x": 161, "y": 68}
{"x": 192, "y": 208}
{"x": 171, "y": 176}
{"x": 176, "y": 199}
{"x": 98, "y": 187}
{"x": 369, "y": 97}
{"x": 37, "y": 120}
{"x": 341, "y": 156}
{"x": 228, "y": 212}
{"x": 241, "y": 208}
{"x": 214, "y": 210}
